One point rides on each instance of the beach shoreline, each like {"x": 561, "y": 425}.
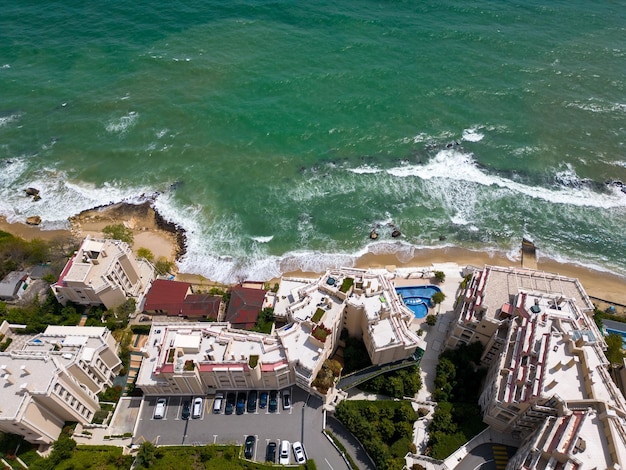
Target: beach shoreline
{"x": 165, "y": 239}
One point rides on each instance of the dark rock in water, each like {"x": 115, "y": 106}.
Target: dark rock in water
{"x": 396, "y": 233}
{"x": 175, "y": 185}
{"x": 36, "y": 197}
{"x": 33, "y": 220}
{"x": 442, "y": 238}
{"x": 32, "y": 191}
{"x": 624, "y": 189}
{"x": 373, "y": 234}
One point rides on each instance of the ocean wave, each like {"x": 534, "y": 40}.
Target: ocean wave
{"x": 122, "y": 124}
{"x": 263, "y": 239}
{"x": 365, "y": 169}
{"x": 465, "y": 169}
{"x": 472, "y": 135}
{"x": 5, "y": 120}
{"x": 596, "y": 106}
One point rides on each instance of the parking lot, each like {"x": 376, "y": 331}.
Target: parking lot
{"x": 301, "y": 422}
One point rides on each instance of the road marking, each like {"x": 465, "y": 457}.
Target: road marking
{"x": 331, "y": 467}
{"x": 214, "y": 438}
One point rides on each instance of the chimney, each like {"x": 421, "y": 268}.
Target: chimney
{"x": 24, "y": 370}
{"x": 4, "y": 369}
{"x": 24, "y": 387}
{"x": 8, "y": 379}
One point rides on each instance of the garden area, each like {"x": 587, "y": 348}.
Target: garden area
{"x": 458, "y": 383}
{"x": 385, "y": 428}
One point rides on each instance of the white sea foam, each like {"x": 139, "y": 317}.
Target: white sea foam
{"x": 6, "y": 66}
{"x": 263, "y": 239}
{"x": 123, "y": 124}
{"x": 472, "y": 135}
{"x": 598, "y": 106}
{"x": 454, "y": 165}
{"x": 5, "y": 120}
{"x": 364, "y": 169}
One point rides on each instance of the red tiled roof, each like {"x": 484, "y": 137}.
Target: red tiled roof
{"x": 167, "y": 296}
{"x": 201, "y": 305}
{"x": 244, "y": 306}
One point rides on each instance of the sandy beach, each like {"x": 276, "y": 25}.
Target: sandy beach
{"x": 149, "y": 233}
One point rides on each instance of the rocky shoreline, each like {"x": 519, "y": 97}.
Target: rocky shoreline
{"x": 138, "y": 217}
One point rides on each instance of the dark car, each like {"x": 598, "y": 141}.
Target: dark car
{"x": 252, "y": 401}
{"x": 249, "y": 447}
{"x": 270, "y": 452}
{"x": 263, "y": 400}
{"x": 273, "y": 401}
{"x": 230, "y": 403}
{"x": 241, "y": 403}
{"x": 186, "y": 410}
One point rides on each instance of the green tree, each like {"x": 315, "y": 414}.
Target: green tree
{"x": 163, "y": 265}
{"x": 438, "y": 297}
{"x": 431, "y": 320}
{"x": 440, "y": 276}
{"x": 119, "y": 232}
{"x": 146, "y": 455}
{"x": 614, "y": 352}
{"x": 146, "y": 254}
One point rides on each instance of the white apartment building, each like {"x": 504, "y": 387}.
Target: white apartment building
{"x": 196, "y": 358}
{"x": 55, "y": 378}
{"x": 548, "y": 384}
{"x": 487, "y": 304}
{"x": 103, "y": 271}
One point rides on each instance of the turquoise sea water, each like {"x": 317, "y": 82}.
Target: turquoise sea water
{"x": 278, "y": 134}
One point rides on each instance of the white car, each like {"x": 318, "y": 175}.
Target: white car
{"x": 159, "y": 410}
{"x": 197, "y": 408}
{"x": 298, "y": 452}
{"x": 283, "y": 457}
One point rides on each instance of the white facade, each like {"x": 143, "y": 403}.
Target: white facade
{"x": 55, "y": 378}
{"x": 105, "y": 272}
{"x": 549, "y": 385}
{"x": 219, "y": 357}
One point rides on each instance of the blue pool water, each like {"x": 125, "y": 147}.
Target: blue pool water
{"x": 417, "y": 298}
{"x": 609, "y": 331}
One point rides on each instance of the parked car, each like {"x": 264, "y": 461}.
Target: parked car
{"x": 263, "y": 400}
{"x": 252, "y": 401}
{"x": 230, "y": 403}
{"x": 197, "y": 408}
{"x": 159, "y": 410}
{"x": 273, "y": 401}
{"x": 249, "y": 447}
{"x": 286, "y": 400}
{"x": 298, "y": 452}
{"x": 283, "y": 457}
{"x": 186, "y": 410}
{"x": 241, "y": 403}
{"x": 270, "y": 452}
{"x": 217, "y": 403}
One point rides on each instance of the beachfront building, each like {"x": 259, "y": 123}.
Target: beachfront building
{"x": 53, "y": 378}
{"x": 488, "y": 303}
{"x": 548, "y": 382}
{"x": 190, "y": 358}
{"x": 103, "y": 272}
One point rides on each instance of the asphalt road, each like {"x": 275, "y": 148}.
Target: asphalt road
{"x": 302, "y": 422}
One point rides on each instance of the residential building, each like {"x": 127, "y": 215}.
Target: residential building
{"x": 173, "y": 298}
{"x": 13, "y": 285}
{"x": 487, "y": 304}
{"x": 55, "y": 378}
{"x": 191, "y": 358}
{"x": 105, "y": 272}
{"x": 548, "y": 383}
{"x": 244, "y": 306}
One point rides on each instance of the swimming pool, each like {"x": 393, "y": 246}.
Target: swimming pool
{"x": 418, "y": 298}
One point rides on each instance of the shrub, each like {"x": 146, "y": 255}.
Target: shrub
{"x": 163, "y": 265}
{"x": 440, "y": 276}
{"x": 431, "y": 320}
{"x": 119, "y": 232}
{"x": 146, "y": 254}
